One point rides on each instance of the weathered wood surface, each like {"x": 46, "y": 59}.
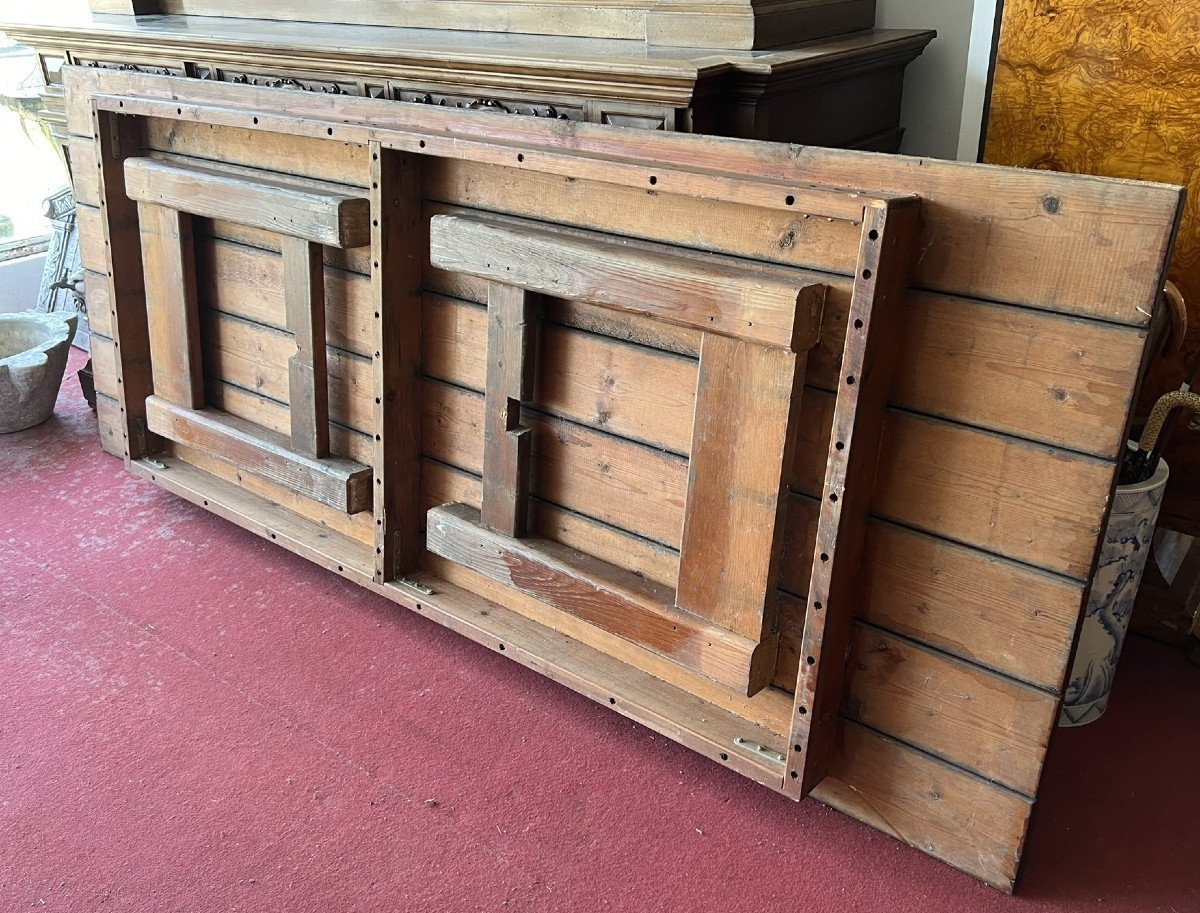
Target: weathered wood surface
{"x": 308, "y": 375}
{"x": 398, "y": 253}
{"x": 852, "y": 447}
{"x": 117, "y": 139}
{"x": 747, "y": 399}
{"x": 169, "y": 271}
{"x": 611, "y": 597}
{"x": 507, "y": 444}
{"x": 285, "y": 207}
{"x": 1022, "y": 237}
{"x": 758, "y": 304}
{"x": 342, "y": 484}
{"x": 990, "y": 382}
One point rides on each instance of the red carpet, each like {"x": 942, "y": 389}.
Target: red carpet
{"x": 194, "y": 720}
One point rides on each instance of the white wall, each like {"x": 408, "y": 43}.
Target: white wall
{"x": 944, "y": 88}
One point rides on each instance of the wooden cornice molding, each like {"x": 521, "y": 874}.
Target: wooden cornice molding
{"x": 487, "y": 63}
{"x": 733, "y": 24}
{"x": 458, "y": 63}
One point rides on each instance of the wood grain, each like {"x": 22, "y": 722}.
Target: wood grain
{"x": 1108, "y": 89}
{"x": 507, "y": 443}
{"x": 169, "y": 270}
{"x": 606, "y": 595}
{"x": 752, "y": 302}
{"x": 398, "y": 250}
{"x": 284, "y": 206}
{"x": 747, "y": 403}
{"x": 339, "y": 483}
{"x": 308, "y": 371}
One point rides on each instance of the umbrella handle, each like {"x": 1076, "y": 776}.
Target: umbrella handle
{"x": 1166, "y": 405}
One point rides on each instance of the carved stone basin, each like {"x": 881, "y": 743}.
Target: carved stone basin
{"x": 33, "y": 356}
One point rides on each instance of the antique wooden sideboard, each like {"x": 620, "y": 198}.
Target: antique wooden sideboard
{"x": 843, "y": 91}
{"x": 798, "y": 456}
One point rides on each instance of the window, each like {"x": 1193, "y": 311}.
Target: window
{"x": 33, "y": 162}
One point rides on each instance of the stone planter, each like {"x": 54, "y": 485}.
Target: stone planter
{"x": 33, "y": 356}
{"x": 1126, "y": 546}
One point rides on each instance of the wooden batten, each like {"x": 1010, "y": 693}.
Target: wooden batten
{"x": 758, "y": 304}
{"x": 398, "y": 251}
{"x": 286, "y": 207}
{"x": 342, "y": 484}
{"x": 507, "y": 444}
{"x": 747, "y": 402}
{"x": 605, "y": 595}
{"x": 852, "y": 448}
{"x": 169, "y": 268}
{"x": 308, "y": 375}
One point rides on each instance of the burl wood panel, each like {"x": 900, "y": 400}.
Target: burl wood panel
{"x": 1112, "y": 88}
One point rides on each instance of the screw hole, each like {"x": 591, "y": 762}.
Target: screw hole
{"x": 798, "y": 748}
{"x": 858, "y": 324}
{"x": 817, "y": 606}
{"x": 824, "y": 556}
{"x": 866, "y": 274}
{"x": 520, "y": 156}
{"x": 653, "y": 180}
{"x": 803, "y": 711}
{"x": 833, "y": 497}
{"x": 840, "y": 445}
{"x": 612, "y": 700}
{"x": 422, "y": 144}
{"x": 256, "y": 120}
{"x": 272, "y": 535}
{"x": 375, "y": 156}
{"x": 340, "y": 568}
{"x": 179, "y": 110}
{"x": 789, "y": 200}
{"x": 724, "y": 757}
{"x": 850, "y": 380}
{"x": 812, "y": 662}
{"x": 330, "y": 131}
{"x": 795, "y": 776}
{"x": 873, "y": 235}
{"x": 502, "y": 648}
{"x": 206, "y": 503}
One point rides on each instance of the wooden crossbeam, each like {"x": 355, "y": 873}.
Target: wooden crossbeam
{"x": 172, "y": 316}
{"x": 512, "y": 322}
{"x": 615, "y": 599}
{"x": 292, "y": 208}
{"x": 342, "y": 484}
{"x": 773, "y": 306}
{"x": 308, "y": 375}
{"x": 743, "y": 433}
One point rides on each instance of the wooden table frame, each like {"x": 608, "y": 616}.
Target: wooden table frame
{"x": 1022, "y": 338}
{"x": 752, "y": 316}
